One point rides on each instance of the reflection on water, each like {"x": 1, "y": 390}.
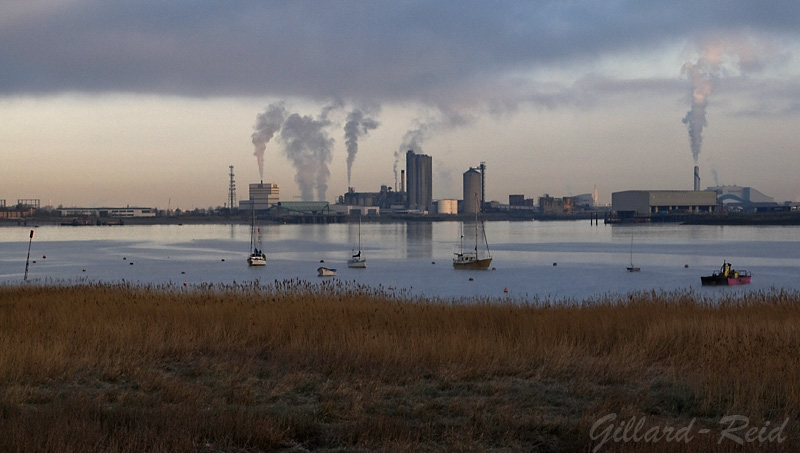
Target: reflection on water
{"x": 591, "y": 259}
{"x": 419, "y": 240}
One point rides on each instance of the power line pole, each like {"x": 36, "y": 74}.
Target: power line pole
{"x": 29, "y": 257}
{"x": 231, "y": 191}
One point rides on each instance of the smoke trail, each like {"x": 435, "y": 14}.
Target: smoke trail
{"x": 355, "y": 127}
{"x": 308, "y": 146}
{"x": 267, "y": 124}
{"x": 412, "y": 140}
{"x": 695, "y": 118}
{"x": 718, "y": 56}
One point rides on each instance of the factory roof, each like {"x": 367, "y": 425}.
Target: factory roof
{"x": 311, "y": 207}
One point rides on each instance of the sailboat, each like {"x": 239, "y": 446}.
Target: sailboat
{"x": 257, "y": 257}
{"x": 471, "y": 259}
{"x": 357, "y": 260}
{"x": 632, "y": 268}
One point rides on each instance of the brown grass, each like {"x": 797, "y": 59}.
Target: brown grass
{"x": 295, "y": 365}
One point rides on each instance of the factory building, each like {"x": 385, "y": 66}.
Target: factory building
{"x": 126, "y": 212}
{"x": 472, "y": 191}
{"x": 519, "y": 200}
{"x": 386, "y": 198}
{"x": 419, "y": 181}
{"x": 645, "y": 204}
{"x": 557, "y": 206}
{"x": 742, "y": 196}
{"x": 262, "y": 196}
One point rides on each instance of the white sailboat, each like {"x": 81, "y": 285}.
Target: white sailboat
{"x": 357, "y": 260}
{"x": 257, "y": 256}
{"x": 632, "y": 268}
{"x": 471, "y": 259}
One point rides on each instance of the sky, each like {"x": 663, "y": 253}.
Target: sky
{"x": 148, "y": 103}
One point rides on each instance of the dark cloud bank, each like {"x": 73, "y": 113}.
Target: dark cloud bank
{"x": 351, "y": 50}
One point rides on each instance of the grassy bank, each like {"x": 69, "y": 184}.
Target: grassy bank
{"x": 295, "y": 366}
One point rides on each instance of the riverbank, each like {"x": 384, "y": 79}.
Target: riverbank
{"x": 752, "y": 219}
{"x": 295, "y": 366}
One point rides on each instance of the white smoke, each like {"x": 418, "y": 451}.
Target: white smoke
{"x": 718, "y": 57}
{"x": 307, "y": 145}
{"x": 355, "y": 127}
{"x": 267, "y": 124}
{"x": 412, "y": 140}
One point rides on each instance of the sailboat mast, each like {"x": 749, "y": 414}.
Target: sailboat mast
{"x": 476, "y": 226}
{"x": 631, "y": 249}
{"x": 476, "y": 235}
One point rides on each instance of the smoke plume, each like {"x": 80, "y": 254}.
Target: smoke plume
{"x": 412, "y": 140}
{"x": 355, "y": 127}
{"x": 307, "y": 145}
{"x": 267, "y": 124}
{"x": 719, "y": 56}
{"x": 695, "y": 119}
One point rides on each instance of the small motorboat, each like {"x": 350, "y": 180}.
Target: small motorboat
{"x": 325, "y": 271}
{"x": 727, "y": 276}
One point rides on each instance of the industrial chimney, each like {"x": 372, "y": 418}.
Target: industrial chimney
{"x": 696, "y": 178}
{"x": 402, "y": 181}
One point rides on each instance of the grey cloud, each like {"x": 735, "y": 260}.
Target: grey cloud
{"x": 352, "y": 50}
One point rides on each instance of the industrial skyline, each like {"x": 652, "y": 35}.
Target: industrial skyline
{"x": 109, "y": 102}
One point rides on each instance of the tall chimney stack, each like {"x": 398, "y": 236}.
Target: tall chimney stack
{"x": 696, "y": 178}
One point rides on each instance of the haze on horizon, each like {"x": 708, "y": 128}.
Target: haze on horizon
{"x": 148, "y": 103}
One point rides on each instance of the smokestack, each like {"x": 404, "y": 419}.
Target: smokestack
{"x": 402, "y": 181}
{"x": 696, "y": 178}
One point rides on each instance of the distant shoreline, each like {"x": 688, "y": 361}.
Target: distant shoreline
{"x": 732, "y": 219}
{"x": 751, "y": 219}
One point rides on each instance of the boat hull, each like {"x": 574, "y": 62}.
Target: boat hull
{"x": 472, "y": 263}
{"x": 357, "y": 263}
{"x": 257, "y": 260}
{"x": 326, "y": 272}
{"x": 720, "y": 280}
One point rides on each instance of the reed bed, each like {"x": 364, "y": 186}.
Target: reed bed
{"x": 293, "y": 365}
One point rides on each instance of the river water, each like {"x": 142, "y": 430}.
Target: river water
{"x": 531, "y": 260}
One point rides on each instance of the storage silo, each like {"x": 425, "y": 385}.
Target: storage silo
{"x": 472, "y": 191}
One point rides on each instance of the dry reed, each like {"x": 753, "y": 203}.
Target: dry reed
{"x": 291, "y": 364}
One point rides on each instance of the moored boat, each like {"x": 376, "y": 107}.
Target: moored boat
{"x": 632, "y": 268}
{"x": 727, "y": 276}
{"x": 357, "y": 261}
{"x": 471, "y": 259}
{"x": 325, "y": 271}
{"x": 257, "y": 256}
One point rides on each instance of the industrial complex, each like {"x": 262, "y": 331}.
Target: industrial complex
{"x": 414, "y": 198}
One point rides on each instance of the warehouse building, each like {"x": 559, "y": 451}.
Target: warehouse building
{"x": 631, "y": 204}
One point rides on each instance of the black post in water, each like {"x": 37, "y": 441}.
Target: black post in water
{"x": 29, "y": 256}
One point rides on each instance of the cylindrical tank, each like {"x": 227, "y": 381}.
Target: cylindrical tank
{"x": 472, "y": 190}
{"x": 448, "y": 206}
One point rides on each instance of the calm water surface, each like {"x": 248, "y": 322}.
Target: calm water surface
{"x": 555, "y": 260}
